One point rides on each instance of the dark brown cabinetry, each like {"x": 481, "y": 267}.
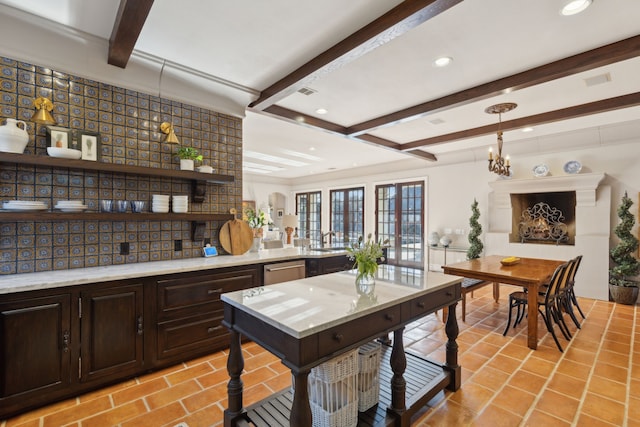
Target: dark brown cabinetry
{"x": 334, "y": 264}
{"x": 189, "y": 312}
{"x": 35, "y": 337}
{"x": 112, "y": 325}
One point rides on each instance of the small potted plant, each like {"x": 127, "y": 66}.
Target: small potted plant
{"x": 622, "y": 284}
{"x": 365, "y": 256}
{"x": 187, "y": 157}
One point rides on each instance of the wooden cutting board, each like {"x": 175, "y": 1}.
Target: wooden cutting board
{"x": 236, "y": 237}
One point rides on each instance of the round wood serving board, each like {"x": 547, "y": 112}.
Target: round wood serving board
{"x": 236, "y": 236}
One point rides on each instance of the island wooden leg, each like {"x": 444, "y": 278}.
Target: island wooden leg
{"x": 532, "y": 321}
{"x": 398, "y": 364}
{"x": 235, "y": 365}
{"x": 300, "y": 408}
{"x": 451, "y": 365}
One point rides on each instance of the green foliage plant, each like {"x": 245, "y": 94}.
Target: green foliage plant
{"x": 365, "y": 255}
{"x": 475, "y": 248}
{"x": 189, "y": 153}
{"x": 625, "y": 265}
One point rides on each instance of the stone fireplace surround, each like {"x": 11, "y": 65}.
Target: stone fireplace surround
{"x": 592, "y": 230}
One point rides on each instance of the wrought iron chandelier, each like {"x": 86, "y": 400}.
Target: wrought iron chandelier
{"x": 499, "y": 164}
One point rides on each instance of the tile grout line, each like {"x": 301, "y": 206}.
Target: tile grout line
{"x": 627, "y": 402}
{"x": 591, "y": 372}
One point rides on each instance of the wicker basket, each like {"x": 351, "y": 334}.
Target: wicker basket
{"x": 333, "y": 391}
{"x": 368, "y": 375}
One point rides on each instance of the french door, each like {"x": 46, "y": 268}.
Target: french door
{"x": 400, "y": 218}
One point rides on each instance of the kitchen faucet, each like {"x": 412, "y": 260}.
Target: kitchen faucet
{"x": 323, "y": 235}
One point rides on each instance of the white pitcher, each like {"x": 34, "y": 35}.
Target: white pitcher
{"x": 13, "y": 138}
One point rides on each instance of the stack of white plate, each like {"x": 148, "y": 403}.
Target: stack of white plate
{"x": 24, "y": 205}
{"x": 71, "y": 206}
{"x": 180, "y": 204}
{"x": 160, "y": 203}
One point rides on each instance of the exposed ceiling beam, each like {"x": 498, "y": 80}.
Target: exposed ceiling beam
{"x": 130, "y": 19}
{"x": 610, "y": 104}
{"x": 399, "y": 20}
{"x": 604, "y": 55}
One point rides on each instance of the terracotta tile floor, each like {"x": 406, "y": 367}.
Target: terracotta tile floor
{"x": 595, "y": 382}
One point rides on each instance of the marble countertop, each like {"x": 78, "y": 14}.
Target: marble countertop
{"x": 307, "y": 306}
{"x": 52, "y": 279}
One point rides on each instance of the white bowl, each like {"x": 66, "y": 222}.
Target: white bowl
{"x": 205, "y": 169}
{"x": 65, "y": 153}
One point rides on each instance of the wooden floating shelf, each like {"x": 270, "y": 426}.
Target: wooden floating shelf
{"x": 198, "y": 178}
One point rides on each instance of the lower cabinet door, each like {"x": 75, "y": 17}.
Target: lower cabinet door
{"x": 35, "y": 338}
{"x": 177, "y": 339}
{"x": 112, "y": 337}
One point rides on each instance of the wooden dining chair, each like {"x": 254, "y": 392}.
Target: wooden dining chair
{"x": 548, "y": 301}
{"x": 572, "y": 295}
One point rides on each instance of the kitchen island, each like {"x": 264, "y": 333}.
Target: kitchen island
{"x": 310, "y": 321}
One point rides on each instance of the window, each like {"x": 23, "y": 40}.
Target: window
{"x": 347, "y": 214}
{"x": 308, "y": 209}
{"x": 399, "y": 218}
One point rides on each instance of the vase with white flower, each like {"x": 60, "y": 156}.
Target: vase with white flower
{"x": 257, "y": 219}
{"x": 365, "y": 255}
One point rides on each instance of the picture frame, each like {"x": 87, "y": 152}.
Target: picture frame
{"x": 59, "y": 137}
{"x": 89, "y": 144}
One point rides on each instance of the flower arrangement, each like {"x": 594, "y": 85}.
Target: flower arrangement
{"x": 365, "y": 255}
{"x": 257, "y": 219}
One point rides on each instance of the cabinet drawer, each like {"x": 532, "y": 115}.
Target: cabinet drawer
{"x": 178, "y": 338}
{"x": 202, "y": 293}
{"x": 339, "y": 337}
{"x": 435, "y": 300}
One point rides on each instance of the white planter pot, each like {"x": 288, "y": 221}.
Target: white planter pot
{"x": 186, "y": 164}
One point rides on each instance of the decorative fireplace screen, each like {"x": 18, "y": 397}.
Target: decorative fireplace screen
{"x": 543, "y": 223}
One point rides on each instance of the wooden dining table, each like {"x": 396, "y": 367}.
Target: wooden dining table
{"x": 529, "y": 273}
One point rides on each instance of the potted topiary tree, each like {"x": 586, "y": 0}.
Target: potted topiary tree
{"x": 187, "y": 157}
{"x": 475, "y": 244}
{"x": 622, "y": 284}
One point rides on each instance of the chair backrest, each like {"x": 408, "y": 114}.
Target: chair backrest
{"x": 572, "y": 278}
{"x": 558, "y": 281}
{"x": 569, "y": 273}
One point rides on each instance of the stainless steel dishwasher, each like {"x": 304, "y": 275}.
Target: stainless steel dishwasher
{"x": 283, "y": 272}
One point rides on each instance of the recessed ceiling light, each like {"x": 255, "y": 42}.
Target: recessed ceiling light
{"x": 443, "y": 61}
{"x": 527, "y": 129}
{"x": 321, "y": 111}
{"x": 573, "y": 7}
{"x": 312, "y": 148}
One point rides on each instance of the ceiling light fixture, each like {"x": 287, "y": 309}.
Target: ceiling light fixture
{"x": 527, "y": 129}
{"x": 443, "y": 61}
{"x": 43, "y": 107}
{"x": 573, "y": 7}
{"x": 322, "y": 111}
{"x": 499, "y": 165}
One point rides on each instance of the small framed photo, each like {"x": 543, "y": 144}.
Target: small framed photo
{"x": 280, "y": 213}
{"x": 89, "y": 144}
{"x": 59, "y": 137}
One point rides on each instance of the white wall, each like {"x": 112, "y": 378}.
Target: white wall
{"x": 450, "y": 189}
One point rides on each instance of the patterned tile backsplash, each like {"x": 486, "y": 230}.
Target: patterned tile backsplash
{"x": 128, "y": 127}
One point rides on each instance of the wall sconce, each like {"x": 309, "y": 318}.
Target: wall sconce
{"x": 171, "y": 138}
{"x": 43, "y": 107}
{"x": 289, "y": 222}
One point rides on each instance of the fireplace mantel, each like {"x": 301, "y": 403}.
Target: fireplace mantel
{"x": 584, "y": 185}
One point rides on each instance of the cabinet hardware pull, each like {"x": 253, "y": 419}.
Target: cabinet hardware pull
{"x": 65, "y": 341}
{"x": 214, "y": 328}
{"x": 214, "y": 291}
{"x": 389, "y": 317}
{"x": 449, "y": 294}
{"x": 421, "y": 304}
{"x": 284, "y": 268}
{"x": 338, "y": 337}
{"x": 140, "y": 329}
